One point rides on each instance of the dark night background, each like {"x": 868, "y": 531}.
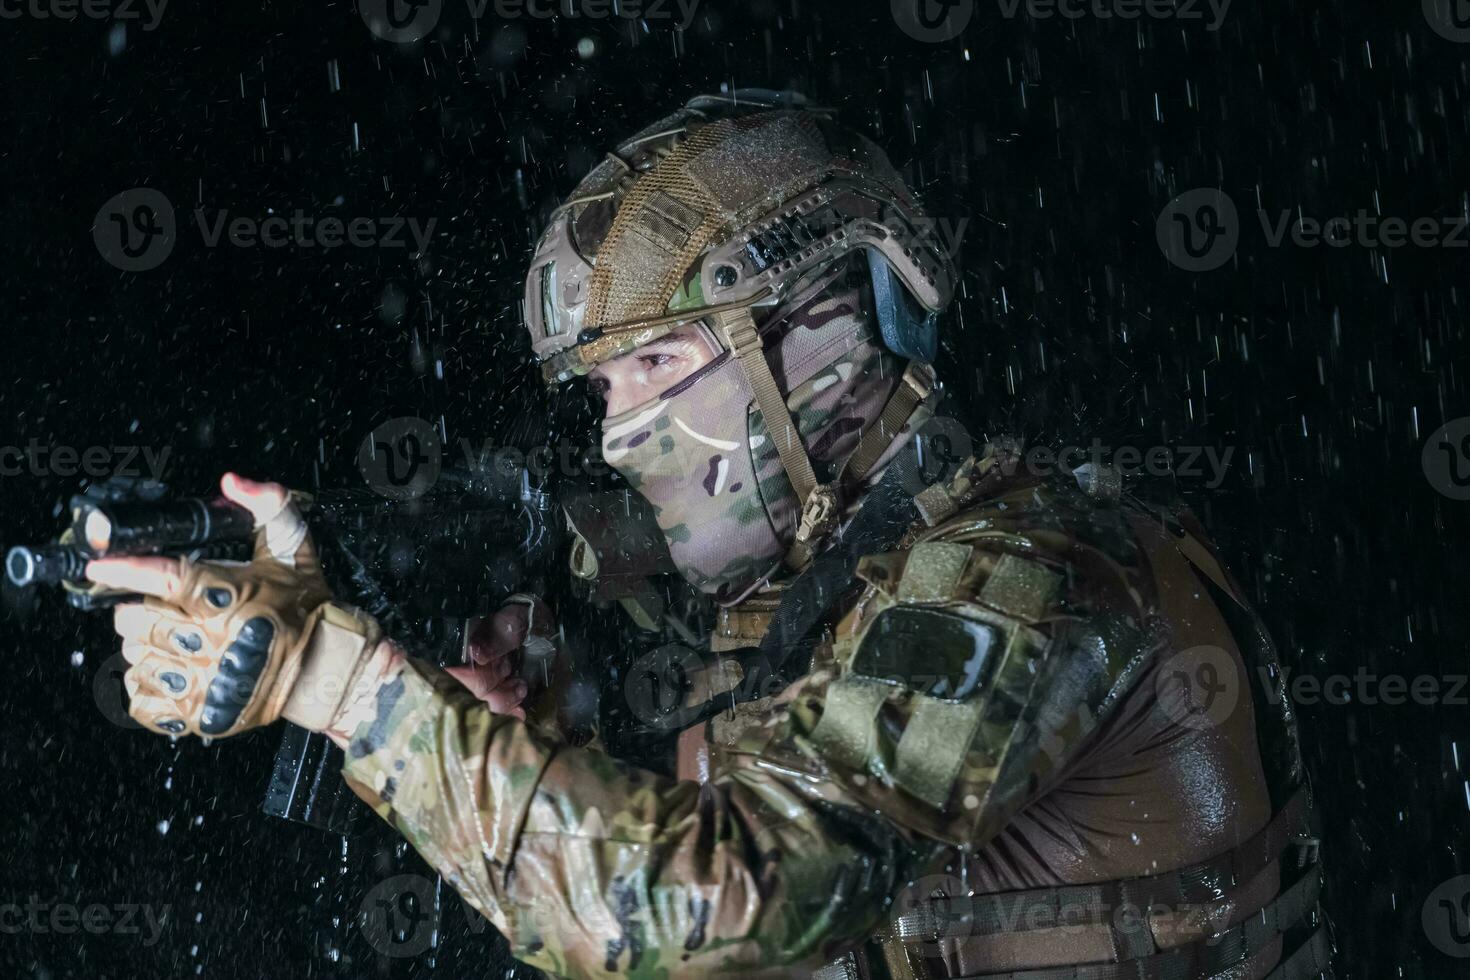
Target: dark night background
{"x": 1060, "y": 141}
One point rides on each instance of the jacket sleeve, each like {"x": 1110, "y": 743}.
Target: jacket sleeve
{"x": 594, "y": 868}
{"x": 860, "y": 777}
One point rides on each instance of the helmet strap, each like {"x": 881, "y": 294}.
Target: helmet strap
{"x": 820, "y": 503}
{"x": 737, "y": 329}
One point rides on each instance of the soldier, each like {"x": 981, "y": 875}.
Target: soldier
{"x": 1007, "y": 728}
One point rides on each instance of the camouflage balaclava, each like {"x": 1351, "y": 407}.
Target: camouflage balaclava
{"x": 701, "y": 455}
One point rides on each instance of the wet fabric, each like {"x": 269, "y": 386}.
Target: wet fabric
{"x": 701, "y": 455}
{"x": 792, "y": 854}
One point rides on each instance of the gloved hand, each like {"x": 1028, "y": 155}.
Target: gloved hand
{"x": 218, "y": 648}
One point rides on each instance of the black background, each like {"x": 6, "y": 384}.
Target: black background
{"x": 1324, "y": 370}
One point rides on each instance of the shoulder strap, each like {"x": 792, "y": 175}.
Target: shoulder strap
{"x": 885, "y": 515}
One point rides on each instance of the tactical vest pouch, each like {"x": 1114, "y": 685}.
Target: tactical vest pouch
{"x": 933, "y": 666}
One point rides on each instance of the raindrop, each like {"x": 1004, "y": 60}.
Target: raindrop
{"x": 117, "y": 39}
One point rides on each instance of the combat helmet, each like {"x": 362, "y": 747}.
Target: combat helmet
{"x": 720, "y": 213}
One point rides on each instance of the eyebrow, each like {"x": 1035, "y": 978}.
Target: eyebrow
{"x": 667, "y": 340}
{"x": 673, "y": 337}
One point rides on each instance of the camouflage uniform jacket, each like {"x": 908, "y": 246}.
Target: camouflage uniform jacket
{"x": 1005, "y": 728}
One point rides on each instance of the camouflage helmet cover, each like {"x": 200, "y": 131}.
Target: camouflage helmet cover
{"x": 733, "y": 201}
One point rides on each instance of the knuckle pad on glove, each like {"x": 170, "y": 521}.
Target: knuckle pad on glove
{"x": 217, "y": 651}
{"x": 239, "y": 675}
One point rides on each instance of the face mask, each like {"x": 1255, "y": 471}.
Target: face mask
{"x": 701, "y": 455}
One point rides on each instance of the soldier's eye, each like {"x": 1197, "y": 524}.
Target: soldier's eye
{"x": 655, "y": 360}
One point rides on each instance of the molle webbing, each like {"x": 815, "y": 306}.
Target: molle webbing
{"x": 665, "y": 222}
{"x": 716, "y": 178}
{"x": 1217, "y": 955}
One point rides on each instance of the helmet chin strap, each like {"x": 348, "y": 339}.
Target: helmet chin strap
{"x": 819, "y": 508}
{"x": 820, "y": 503}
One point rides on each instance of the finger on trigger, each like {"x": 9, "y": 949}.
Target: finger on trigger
{"x": 497, "y": 670}
{"x": 154, "y": 576}
{"x": 498, "y": 635}
{"x": 507, "y": 696}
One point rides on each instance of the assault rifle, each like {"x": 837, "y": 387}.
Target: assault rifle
{"x": 424, "y": 567}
